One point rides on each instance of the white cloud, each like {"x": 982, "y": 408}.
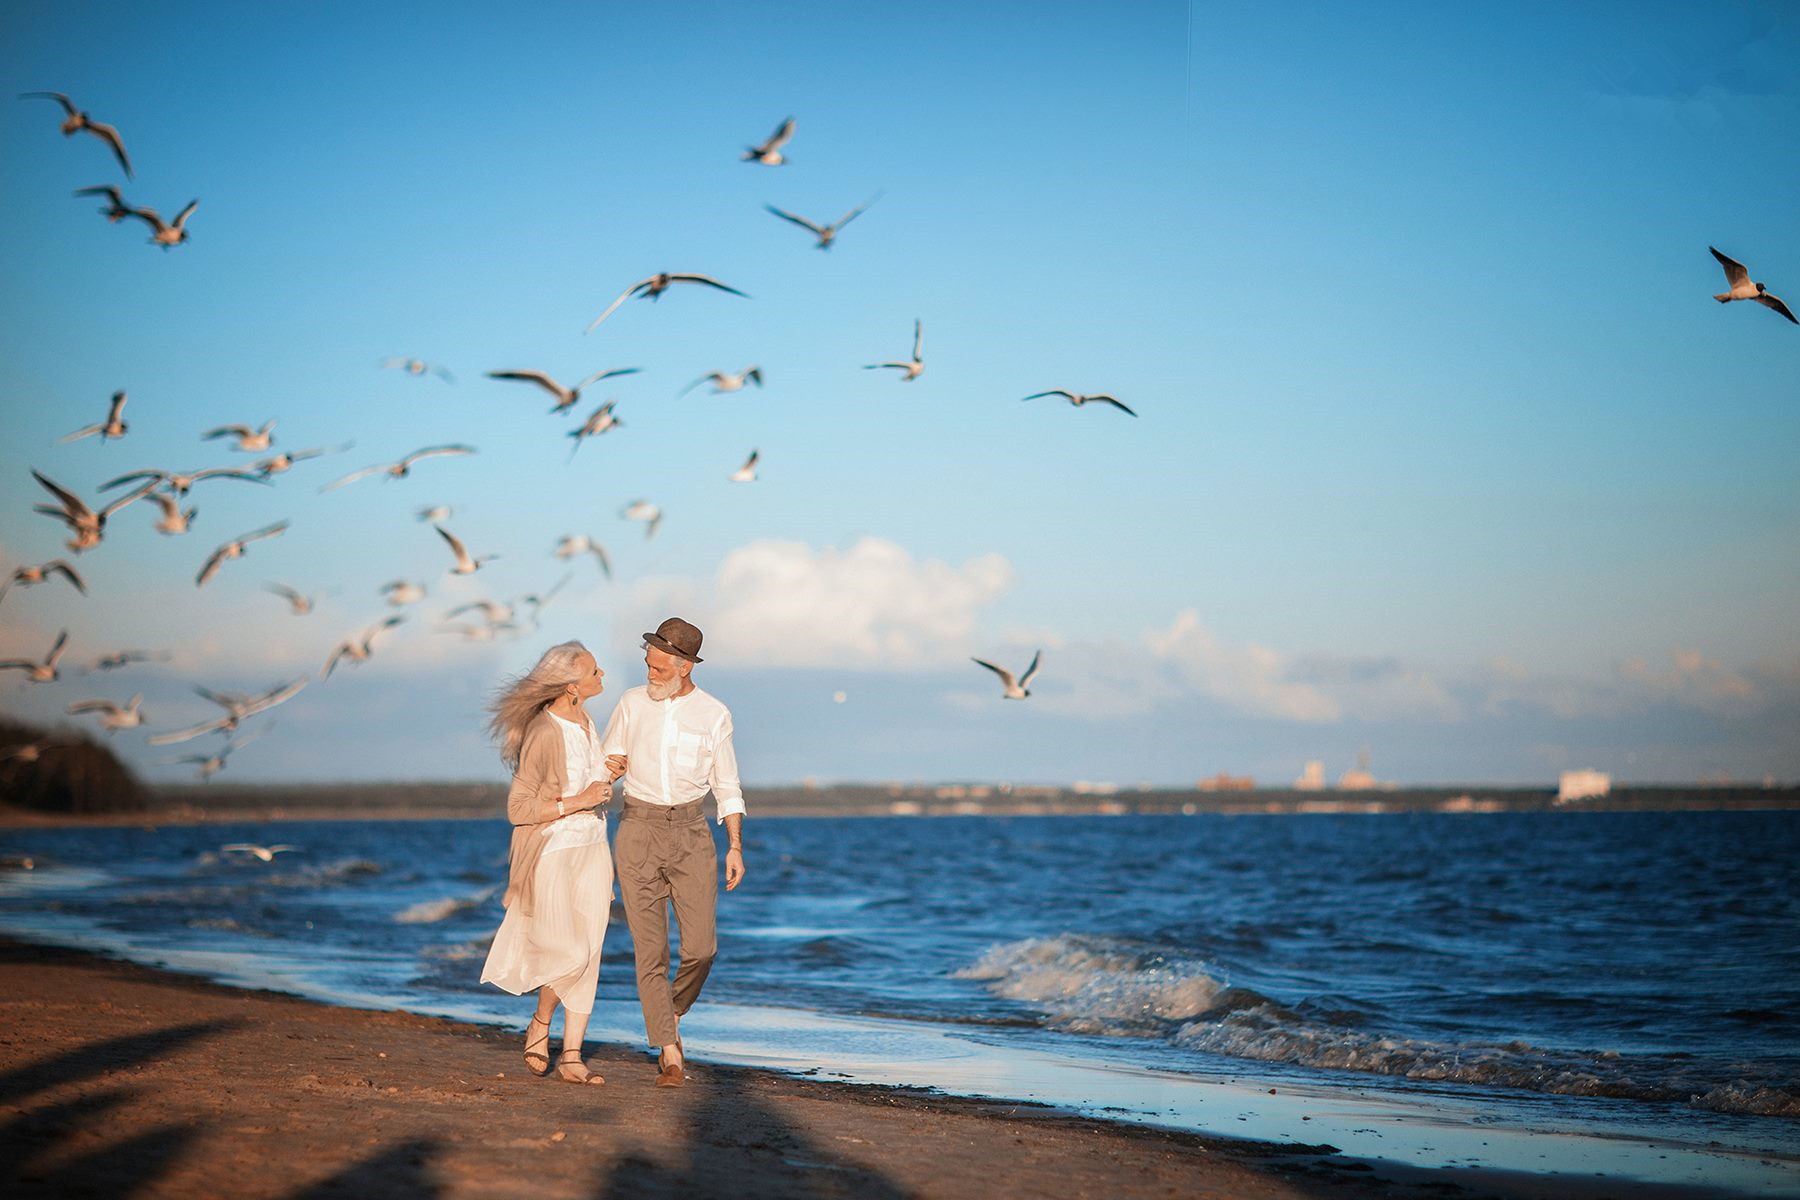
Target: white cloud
{"x": 1251, "y": 678}
{"x": 785, "y": 604}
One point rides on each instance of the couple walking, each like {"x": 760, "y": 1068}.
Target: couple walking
{"x": 671, "y": 742}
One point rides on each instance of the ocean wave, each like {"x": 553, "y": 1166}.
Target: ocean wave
{"x": 1100, "y": 985}
{"x": 1750, "y": 1099}
{"x": 429, "y": 912}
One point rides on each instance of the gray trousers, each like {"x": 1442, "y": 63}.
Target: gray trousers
{"x": 666, "y": 857}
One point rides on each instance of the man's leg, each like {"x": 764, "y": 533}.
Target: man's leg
{"x": 693, "y": 873}
{"x": 638, "y": 853}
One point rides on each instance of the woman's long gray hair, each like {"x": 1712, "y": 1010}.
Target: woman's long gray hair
{"x": 523, "y": 698}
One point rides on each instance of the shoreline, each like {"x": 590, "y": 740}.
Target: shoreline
{"x": 173, "y": 1085}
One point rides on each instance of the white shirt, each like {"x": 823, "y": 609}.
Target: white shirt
{"x": 676, "y": 750}
{"x": 583, "y": 761}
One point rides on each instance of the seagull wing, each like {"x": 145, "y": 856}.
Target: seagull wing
{"x": 56, "y": 648}
{"x": 918, "y": 338}
{"x": 227, "y": 431}
{"x": 854, "y": 213}
{"x": 148, "y": 216}
{"x": 1103, "y": 398}
{"x": 1063, "y": 392}
{"x": 1025, "y": 679}
{"x": 800, "y": 221}
{"x": 131, "y": 497}
{"x": 68, "y": 105}
{"x": 158, "y": 476}
{"x": 710, "y": 377}
{"x": 685, "y": 277}
{"x": 267, "y": 531}
{"x": 71, "y": 503}
{"x": 181, "y": 219}
{"x": 68, "y": 572}
{"x": 182, "y": 735}
{"x": 106, "y": 706}
{"x": 613, "y": 307}
{"x": 436, "y": 451}
{"x": 780, "y": 137}
{"x": 213, "y": 564}
{"x": 275, "y": 695}
{"x": 1735, "y": 272}
{"x": 89, "y": 431}
{"x": 352, "y": 477}
{"x": 1005, "y": 675}
{"x": 538, "y": 377}
{"x": 1774, "y": 302}
{"x": 456, "y": 547}
{"x": 110, "y": 136}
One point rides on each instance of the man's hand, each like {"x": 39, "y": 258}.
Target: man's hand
{"x": 734, "y": 868}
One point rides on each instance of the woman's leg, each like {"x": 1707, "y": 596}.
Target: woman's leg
{"x": 537, "y": 1033}
{"x": 569, "y": 1064}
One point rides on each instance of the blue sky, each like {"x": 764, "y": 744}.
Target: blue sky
{"x": 1442, "y": 450}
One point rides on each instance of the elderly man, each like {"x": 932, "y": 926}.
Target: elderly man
{"x": 676, "y": 743}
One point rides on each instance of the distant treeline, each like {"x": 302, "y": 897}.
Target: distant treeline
{"x": 61, "y": 771}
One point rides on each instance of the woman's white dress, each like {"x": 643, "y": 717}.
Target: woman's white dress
{"x": 558, "y": 945}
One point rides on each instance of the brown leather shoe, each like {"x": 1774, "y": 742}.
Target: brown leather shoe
{"x": 669, "y": 1074}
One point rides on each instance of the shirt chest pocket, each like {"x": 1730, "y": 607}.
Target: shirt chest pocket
{"x": 692, "y": 749}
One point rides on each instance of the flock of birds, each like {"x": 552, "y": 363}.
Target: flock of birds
{"x": 87, "y": 522}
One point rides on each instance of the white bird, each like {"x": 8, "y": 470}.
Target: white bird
{"x": 416, "y": 367}
{"x": 769, "y": 153}
{"x": 87, "y": 525}
{"x": 235, "y": 549}
{"x": 182, "y": 482}
{"x": 30, "y": 576}
{"x": 581, "y": 543}
{"x": 464, "y": 564}
{"x": 1078, "y": 399}
{"x": 912, "y": 368}
{"x": 238, "y": 709}
{"x": 166, "y": 234}
{"x": 643, "y": 510}
{"x": 747, "y": 472}
{"x": 655, "y": 286}
{"x": 565, "y": 396}
{"x": 115, "y": 717}
{"x": 434, "y": 514}
{"x": 400, "y": 469}
{"x": 116, "y": 209}
{"x": 301, "y": 605}
{"x": 825, "y": 233}
{"x": 1015, "y": 690}
{"x": 1743, "y": 288}
{"x": 285, "y": 461}
{"x": 401, "y": 592}
{"x": 44, "y": 672}
{"x": 357, "y": 649}
{"x": 597, "y": 423}
{"x": 725, "y": 382}
{"x": 266, "y": 853}
{"x": 538, "y": 603}
{"x": 113, "y": 427}
{"x": 175, "y": 519}
{"x": 77, "y": 121}
{"x": 211, "y": 764}
{"x": 492, "y": 611}
{"x": 249, "y": 440}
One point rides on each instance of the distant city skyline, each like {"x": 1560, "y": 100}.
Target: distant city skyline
{"x": 1442, "y": 447}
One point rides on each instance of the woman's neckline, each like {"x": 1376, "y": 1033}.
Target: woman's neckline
{"x": 586, "y": 726}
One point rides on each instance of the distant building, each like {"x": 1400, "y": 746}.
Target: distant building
{"x": 1583, "y": 785}
{"x": 1358, "y": 778}
{"x": 1312, "y": 779}
{"x": 1224, "y": 782}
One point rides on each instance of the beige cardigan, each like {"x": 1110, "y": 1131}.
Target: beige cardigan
{"x": 542, "y": 778}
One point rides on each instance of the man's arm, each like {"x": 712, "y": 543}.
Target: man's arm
{"x": 734, "y": 853}
{"x": 729, "y": 794}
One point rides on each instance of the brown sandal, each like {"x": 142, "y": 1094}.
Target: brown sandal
{"x": 537, "y": 1061}
{"x": 562, "y": 1061}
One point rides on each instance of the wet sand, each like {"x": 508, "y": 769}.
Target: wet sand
{"x": 116, "y": 1079}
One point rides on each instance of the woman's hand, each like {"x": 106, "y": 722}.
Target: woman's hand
{"x": 615, "y": 765}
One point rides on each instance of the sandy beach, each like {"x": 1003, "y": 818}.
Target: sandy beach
{"x": 118, "y": 1080}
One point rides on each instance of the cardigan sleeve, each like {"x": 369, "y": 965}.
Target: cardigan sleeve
{"x": 539, "y": 780}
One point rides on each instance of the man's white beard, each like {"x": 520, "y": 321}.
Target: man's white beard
{"x": 662, "y": 691}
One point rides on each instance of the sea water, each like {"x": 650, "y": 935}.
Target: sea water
{"x": 1624, "y": 975}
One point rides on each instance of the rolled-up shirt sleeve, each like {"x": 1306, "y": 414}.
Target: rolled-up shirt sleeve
{"x": 726, "y": 790}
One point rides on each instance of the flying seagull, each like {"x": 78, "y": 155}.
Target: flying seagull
{"x": 357, "y": 649}
{"x": 248, "y": 439}
{"x": 400, "y": 469}
{"x": 211, "y": 764}
{"x": 655, "y": 286}
{"x": 747, "y": 472}
{"x": 401, "y": 592}
{"x": 235, "y": 549}
{"x": 597, "y": 423}
{"x": 1077, "y": 399}
{"x": 78, "y": 121}
{"x": 113, "y": 427}
{"x": 266, "y": 853}
{"x": 166, "y": 234}
{"x": 286, "y": 460}
{"x": 1015, "y": 690}
{"x": 116, "y": 209}
{"x": 28, "y": 576}
{"x": 1742, "y": 288}
{"x": 536, "y": 603}
{"x": 913, "y": 368}
{"x": 175, "y": 519}
{"x": 648, "y": 513}
{"x": 825, "y": 233}
{"x": 180, "y": 483}
{"x": 417, "y": 366}
{"x": 114, "y": 717}
{"x": 581, "y": 543}
{"x": 433, "y": 514}
{"x": 238, "y": 709}
{"x": 123, "y": 658}
{"x": 301, "y": 605}
{"x": 724, "y": 381}
{"x": 769, "y": 153}
{"x": 565, "y": 396}
{"x": 87, "y": 525}
{"x": 44, "y": 672}
{"x": 464, "y": 564}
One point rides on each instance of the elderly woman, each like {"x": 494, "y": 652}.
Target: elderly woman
{"x": 559, "y": 890}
